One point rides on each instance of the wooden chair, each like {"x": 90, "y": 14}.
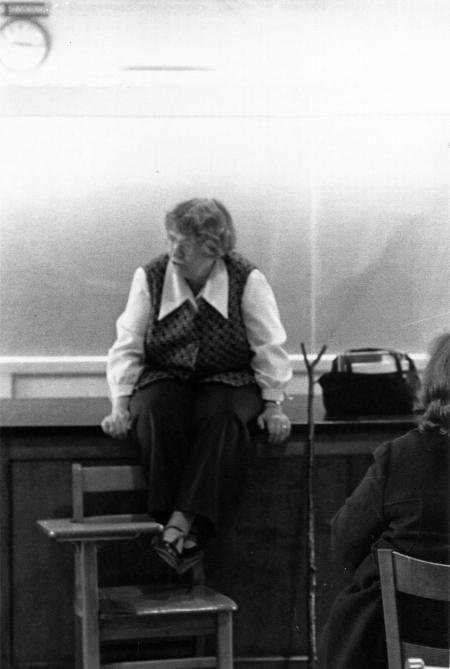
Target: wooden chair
{"x": 403, "y": 574}
{"x": 418, "y": 663}
{"x": 134, "y": 612}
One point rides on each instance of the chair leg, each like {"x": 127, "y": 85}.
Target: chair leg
{"x": 78, "y": 643}
{"x": 224, "y": 640}
{"x": 86, "y": 563}
{"x": 77, "y": 608}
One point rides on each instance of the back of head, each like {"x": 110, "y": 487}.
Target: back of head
{"x": 434, "y": 397}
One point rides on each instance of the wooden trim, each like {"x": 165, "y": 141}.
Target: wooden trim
{"x": 34, "y": 377}
{"x": 276, "y": 662}
{"x": 5, "y": 553}
{"x": 180, "y": 625}
{"x": 89, "y": 444}
{"x": 97, "y": 363}
{"x": 174, "y": 663}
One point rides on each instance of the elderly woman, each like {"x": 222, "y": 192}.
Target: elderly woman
{"x": 402, "y": 504}
{"x": 198, "y": 357}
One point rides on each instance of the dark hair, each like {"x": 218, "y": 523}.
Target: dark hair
{"x": 434, "y": 396}
{"x": 207, "y": 220}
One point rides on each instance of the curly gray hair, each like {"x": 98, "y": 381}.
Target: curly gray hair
{"x": 434, "y": 397}
{"x": 208, "y": 221}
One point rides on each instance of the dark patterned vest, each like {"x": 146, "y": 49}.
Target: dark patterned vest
{"x": 198, "y": 345}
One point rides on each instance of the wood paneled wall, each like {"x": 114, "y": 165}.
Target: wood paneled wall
{"x": 259, "y": 558}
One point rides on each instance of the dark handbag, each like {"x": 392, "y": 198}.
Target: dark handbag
{"x": 350, "y": 393}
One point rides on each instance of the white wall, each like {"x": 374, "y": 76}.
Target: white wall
{"x": 324, "y": 127}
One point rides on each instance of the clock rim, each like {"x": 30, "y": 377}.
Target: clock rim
{"x": 46, "y": 45}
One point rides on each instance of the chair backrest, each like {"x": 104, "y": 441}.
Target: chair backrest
{"x": 419, "y": 578}
{"x": 108, "y": 479}
{"x": 113, "y": 478}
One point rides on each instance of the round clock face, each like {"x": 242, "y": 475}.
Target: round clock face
{"x": 24, "y": 44}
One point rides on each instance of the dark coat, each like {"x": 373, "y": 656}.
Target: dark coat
{"x": 402, "y": 503}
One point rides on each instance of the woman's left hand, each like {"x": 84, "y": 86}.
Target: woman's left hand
{"x": 277, "y": 423}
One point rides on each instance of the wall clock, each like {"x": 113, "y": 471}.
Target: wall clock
{"x": 24, "y": 44}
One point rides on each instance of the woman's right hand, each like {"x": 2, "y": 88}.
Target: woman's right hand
{"x": 117, "y": 425}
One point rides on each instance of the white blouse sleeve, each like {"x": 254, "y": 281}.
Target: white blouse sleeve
{"x": 266, "y": 336}
{"x": 126, "y": 356}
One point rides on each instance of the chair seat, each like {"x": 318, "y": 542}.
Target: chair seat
{"x": 148, "y": 600}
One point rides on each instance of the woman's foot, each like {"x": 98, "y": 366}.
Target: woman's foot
{"x": 175, "y": 536}
{"x": 194, "y": 543}
{"x": 191, "y": 555}
{"x": 169, "y": 546}
{"x": 181, "y": 543}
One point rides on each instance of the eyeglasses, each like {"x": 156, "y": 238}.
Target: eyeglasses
{"x": 181, "y": 244}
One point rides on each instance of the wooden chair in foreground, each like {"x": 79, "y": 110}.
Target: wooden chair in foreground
{"x": 134, "y": 612}
{"x": 403, "y": 574}
{"x": 417, "y": 663}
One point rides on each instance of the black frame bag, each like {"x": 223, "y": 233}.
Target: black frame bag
{"x": 349, "y": 393}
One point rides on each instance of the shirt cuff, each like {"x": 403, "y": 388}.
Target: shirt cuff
{"x": 123, "y": 391}
{"x": 272, "y": 395}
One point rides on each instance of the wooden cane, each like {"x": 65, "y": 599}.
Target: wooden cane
{"x": 311, "y": 542}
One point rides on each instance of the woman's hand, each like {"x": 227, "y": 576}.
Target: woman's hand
{"x": 277, "y": 423}
{"x": 117, "y": 424}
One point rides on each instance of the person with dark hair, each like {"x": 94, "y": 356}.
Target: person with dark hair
{"x": 198, "y": 357}
{"x": 401, "y": 504}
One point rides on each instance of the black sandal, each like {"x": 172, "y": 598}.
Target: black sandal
{"x": 191, "y": 556}
{"x": 167, "y": 549}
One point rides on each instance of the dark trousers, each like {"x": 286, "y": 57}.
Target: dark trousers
{"x": 194, "y": 444}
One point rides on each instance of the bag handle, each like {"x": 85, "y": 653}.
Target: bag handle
{"x": 377, "y": 352}
{"x": 396, "y": 355}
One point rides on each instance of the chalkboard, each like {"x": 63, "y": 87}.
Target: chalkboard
{"x": 347, "y": 217}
